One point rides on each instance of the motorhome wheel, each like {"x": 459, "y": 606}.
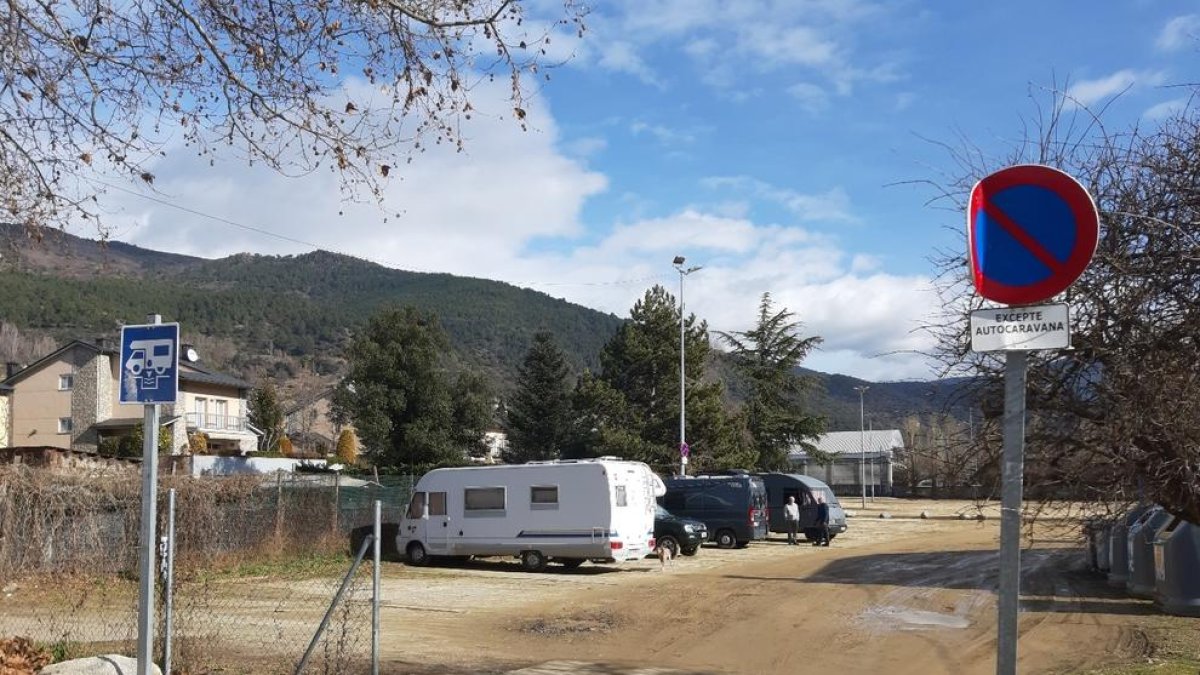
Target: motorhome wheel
{"x": 533, "y": 561}
{"x": 417, "y": 556}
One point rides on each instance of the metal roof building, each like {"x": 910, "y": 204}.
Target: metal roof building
{"x": 857, "y": 457}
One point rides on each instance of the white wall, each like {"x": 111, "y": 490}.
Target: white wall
{"x": 209, "y": 465}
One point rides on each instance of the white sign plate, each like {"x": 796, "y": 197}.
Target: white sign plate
{"x": 1010, "y": 328}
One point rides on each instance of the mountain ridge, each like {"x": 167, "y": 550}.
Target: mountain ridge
{"x": 306, "y": 305}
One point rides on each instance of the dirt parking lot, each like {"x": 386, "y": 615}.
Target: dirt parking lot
{"x": 896, "y": 595}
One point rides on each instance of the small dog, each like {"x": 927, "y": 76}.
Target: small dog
{"x": 665, "y": 557}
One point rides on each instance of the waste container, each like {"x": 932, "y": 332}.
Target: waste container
{"x": 1118, "y": 547}
{"x": 1100, "y": 543}
{"x": 1177, "y": 568}
{"x": 1141, "y": 552}
{"x": 1089, "y": 538}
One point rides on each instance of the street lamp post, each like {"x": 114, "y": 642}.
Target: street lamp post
{"x": 683, "y": 457}
{"x": 862, "y": 444}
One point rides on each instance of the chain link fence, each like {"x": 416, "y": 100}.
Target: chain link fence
{"x": 258, "y": 561}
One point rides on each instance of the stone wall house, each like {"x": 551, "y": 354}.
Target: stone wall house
{"x": 70, "y": 399}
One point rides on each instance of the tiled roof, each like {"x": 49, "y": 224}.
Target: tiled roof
{"x": 852, "y": 443}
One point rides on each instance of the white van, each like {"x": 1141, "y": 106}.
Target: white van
{"x": 564, "y": 511}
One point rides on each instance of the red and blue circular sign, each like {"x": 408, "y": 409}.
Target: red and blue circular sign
{"x": 1031, "y": 231}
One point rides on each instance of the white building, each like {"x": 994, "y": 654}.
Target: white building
{"x": 869, "y": 454}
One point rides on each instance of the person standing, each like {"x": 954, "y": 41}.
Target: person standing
{"x": 791, "y": 516}
{"x": 822, "y": 521}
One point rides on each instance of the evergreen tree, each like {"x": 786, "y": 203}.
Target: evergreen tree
{"x": 403, "y": 401}
{"x": 768, "y": 356}
{"x": 641, "y": 362}
{"x": 539, "y": 411}
{"x": 601, "y": 424}
{"x": 266, "y": 415}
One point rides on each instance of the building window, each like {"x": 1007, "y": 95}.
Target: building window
{"x": 483, "y": 499}
{"x": 543, "y": 494}
{"x": 622, "y": 500}
{"x": 66, "y": 382}
{"x": 64, "y": 425}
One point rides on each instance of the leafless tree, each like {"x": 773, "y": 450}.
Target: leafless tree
{"x": 1118, "y": 416}
{"x": 95, "y": 89}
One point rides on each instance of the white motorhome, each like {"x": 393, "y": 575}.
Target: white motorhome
{"x": 565, "y": 511}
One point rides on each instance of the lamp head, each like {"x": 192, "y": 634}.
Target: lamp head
{"x": 678, "y": 260}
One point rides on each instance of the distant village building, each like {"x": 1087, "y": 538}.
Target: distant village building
{"x": 848, "y": 450}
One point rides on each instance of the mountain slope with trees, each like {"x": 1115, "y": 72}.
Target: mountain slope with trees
{"x": 266, "y": 315}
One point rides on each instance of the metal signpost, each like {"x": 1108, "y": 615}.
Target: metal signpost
{"x": 1031, "y": 231}
{"x": 149, "y": 376}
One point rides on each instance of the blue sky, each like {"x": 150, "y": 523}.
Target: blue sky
{"x": 762, "y": 139}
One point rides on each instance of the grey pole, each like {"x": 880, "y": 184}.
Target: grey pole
{"x": 169, "y": 591}
{"x": 862, "y": 445}
{"x": 375, "y": 599}
{"x": 1010, "y": 510}
{"x": 682, "y": 380}
{"x": 678, "y": 262}
{"x": 149, "y": 513}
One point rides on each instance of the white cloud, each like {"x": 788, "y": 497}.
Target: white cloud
{"x": 476, "y": 214}
{"x": 811, "y": 97}
{"x": 1179, "y": 33}
{"x": 622, "y": 57}
{"x": 455, "y": 209}
{"x": 671, "y": 136}
{"x": 728, "y": 43}
{"x": 1088, "y": 92}
{"x": 1165, "y": 109}
{"x": 832, "y": 205}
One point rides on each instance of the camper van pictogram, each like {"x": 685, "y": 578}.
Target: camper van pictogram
{"x": 150, "y": 356}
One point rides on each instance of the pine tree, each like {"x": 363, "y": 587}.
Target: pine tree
{"x": 641, "y": 362}
{"x": 409, "y": 408}
{"x": 538, "y": 415}
{"x": 768, "y": 356}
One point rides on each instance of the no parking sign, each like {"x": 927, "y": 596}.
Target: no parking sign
{"x": 1031, "y": 232}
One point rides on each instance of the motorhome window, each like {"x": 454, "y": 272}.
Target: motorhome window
{"x": 416, "y": 506}
{"x": 483, "y": 499}
{"x": 543, "y": 494}
{"x": 621, "y": 500}
{"x": 437, "y": 503}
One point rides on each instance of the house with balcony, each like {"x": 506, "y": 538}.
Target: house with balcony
{"x": 70, "y": 399}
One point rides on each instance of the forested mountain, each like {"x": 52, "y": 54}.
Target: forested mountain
{"x": 273, "y": 312}
{"x": 304, "y": 305}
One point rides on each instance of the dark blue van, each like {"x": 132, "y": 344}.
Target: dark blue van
{"x": 733, "y": 507}
{"x": 780, "y": 486}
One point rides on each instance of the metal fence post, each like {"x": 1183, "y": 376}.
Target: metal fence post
{"x": 169, "y": 591}
{"x": 337, "y": 499}
{"x": 279, "y": 506}
{"x": 375, "y": 599}
{"x": 337, "y": 599}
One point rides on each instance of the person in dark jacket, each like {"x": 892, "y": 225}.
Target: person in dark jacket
{"x": 822, "y": 521}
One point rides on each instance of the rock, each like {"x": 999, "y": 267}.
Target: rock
{"x": 885, "y": 515}
{"x": 962, "y": 516}
{"x": 9, "y": 589}
{"x": 924, "y": 515}
{"x": 110, "y": 664}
